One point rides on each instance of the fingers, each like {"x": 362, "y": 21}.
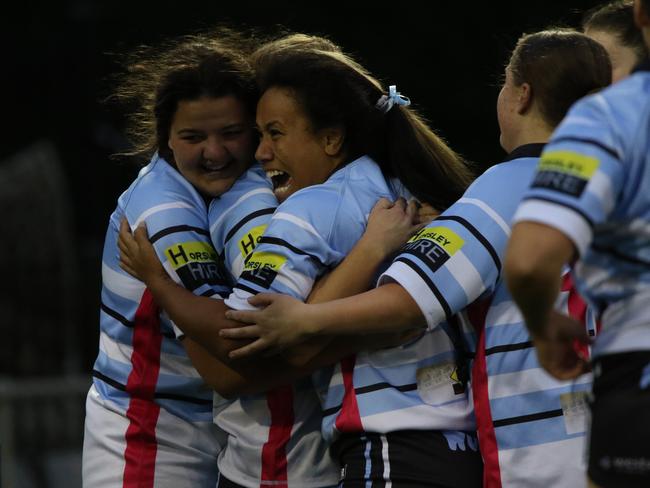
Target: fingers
{"x": 401, "y": 203}
{"x": 262, "y": 299}
{"x": 246, "y": 332}
{"x": 251, "y": 349}
{"x": 140, "y": 233}
{"x": 412, "y": 209}
{"x": 382, "y": 203}
{"x": 245, "y": 316}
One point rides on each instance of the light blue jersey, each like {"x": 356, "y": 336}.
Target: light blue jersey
{"x": 310, "y": 233}
{"x": 239, "y": 217}
{"x": 273, "y": 438}
{"x": 593, "y": 185}
{"x": 149, "y": 413}
{"x": 454, "y": 266}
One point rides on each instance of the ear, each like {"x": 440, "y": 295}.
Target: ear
{"x": 332, "y": 139}
{"x": 524, "y": 98}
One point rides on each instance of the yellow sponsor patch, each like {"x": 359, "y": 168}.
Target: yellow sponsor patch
{"x": 190, "y": 252}
{"x": 570, "y": 163}
{"x": 268, "y": 260}
{"x": 248, "y": 243}
{"x": 442, "y": 236}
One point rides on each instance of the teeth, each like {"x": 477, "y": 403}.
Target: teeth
{"x": 210, "y": 166}
{"x": 274, "y": 172}
{"x": 284, "y": 188}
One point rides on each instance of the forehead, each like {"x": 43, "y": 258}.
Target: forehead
{"x": 279, "y": 105}
{"x": 210, "y": 110}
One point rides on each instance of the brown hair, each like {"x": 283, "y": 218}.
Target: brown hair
{"x": 334, "y": 90}
{"x": 561, "y": 66}
{"x": 617, "y": 18}
{"x": 213, "y": 64}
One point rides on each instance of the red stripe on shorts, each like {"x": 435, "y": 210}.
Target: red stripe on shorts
{"x": 140, "y": 453}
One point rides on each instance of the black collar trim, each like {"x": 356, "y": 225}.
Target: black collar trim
{"x": 526, "y": 151}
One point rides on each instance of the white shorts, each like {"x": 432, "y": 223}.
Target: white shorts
{"x": 178, "y": 454}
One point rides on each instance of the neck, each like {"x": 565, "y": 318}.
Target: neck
{"x": 530, "y": 131}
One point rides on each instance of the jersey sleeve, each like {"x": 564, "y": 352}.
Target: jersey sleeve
{"x": 178, "y": 231}
{"x": 295, "y": 249}
{"x": 457, "y": 257}
{"x": 238, "y": 220}
{"x": 580, "y": 174}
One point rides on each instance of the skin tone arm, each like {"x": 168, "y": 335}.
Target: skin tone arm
{"x": 388, "y": 310}
{"x": 286, "y": 321}
{"x": 390, "y": 226}
{"x": 534, "y": 260}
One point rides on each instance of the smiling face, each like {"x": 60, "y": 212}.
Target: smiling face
{"x": 293, "y": 155}
{"x": 213, "y": 141}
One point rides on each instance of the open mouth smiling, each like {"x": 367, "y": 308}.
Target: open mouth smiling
{"x": 281, "y": 181}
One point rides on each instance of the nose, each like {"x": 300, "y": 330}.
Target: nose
{"x": 215, "y": 150}
{"x": 264, "y": 154}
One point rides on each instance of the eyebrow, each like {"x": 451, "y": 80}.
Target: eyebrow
{"x": 268, "y": 125}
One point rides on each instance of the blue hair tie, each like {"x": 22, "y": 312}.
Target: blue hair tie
{"x": 386, "y": 102}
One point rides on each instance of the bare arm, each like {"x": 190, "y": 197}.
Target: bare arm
{"x": 200, "y": 318}
{"x": 285, "y": 320}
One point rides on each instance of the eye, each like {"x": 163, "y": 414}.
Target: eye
{"x": 232, "y": 133}
{"x": 274, "y": 133}
{"x": 192, "y": 137}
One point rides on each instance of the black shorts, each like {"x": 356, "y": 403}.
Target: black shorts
{"x": 409, "y": 459}
{"x": 619, "y": 446}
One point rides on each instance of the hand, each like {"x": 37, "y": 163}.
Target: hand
{"x": 137, "y": 256}
{"x": 556, "y": 349}
{"x": 426, "y": 213}
{"x": 390, "y": 225}
{"x": 280, "y": 324}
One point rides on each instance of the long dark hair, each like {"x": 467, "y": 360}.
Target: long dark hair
{"x": 213, "y": 64}
{"x": 561, "y": 66}
{"x": 334, "y": 90}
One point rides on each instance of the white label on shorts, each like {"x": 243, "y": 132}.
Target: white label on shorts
{"x": 574, "y": 410}
{"x": 432, "y": 378}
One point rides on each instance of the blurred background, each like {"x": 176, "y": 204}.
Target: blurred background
{"x": 58, "y": 184}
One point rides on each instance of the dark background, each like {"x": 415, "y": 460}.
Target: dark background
{"x": 446, "y": 56}
{"x": 58, "y": 184}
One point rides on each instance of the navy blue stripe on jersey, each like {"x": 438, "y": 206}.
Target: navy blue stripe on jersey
{"x": 250, "y": 290}
{"x": 127, "y": 323}
{"x": 211, "y": 293}
{"x": 169, "y": 396}
{"x": 592, "y": 142}
{"x": 281, "y": 242}
{"x": 528, "y": 418}
{"x": 434, "y": 289}
{"x": 508, "y": 347}
{"x": 247, "y": 218}
{"x": 381, "y": 386}
{"x": 479, "y": 237}
{"x": 563, "y": 204}
{"x": 178, "y": 228}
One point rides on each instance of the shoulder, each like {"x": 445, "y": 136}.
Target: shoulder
{"x": 159, "y": 188}
{"x": 159, "y": 183}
